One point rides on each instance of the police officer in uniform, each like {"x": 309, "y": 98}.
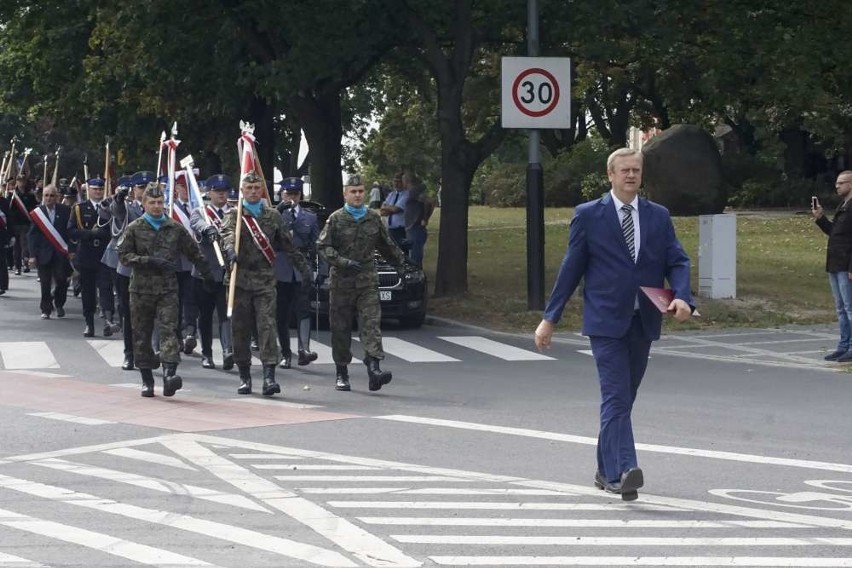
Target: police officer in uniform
{"x": 212, "y": 298}
{"x": 188, "y": 306}
{"x": 92, "y": 238}
{"x": 347, "y": 242}
{"x": 20, "y": 222}
{"x": 110, "y": 256}
{"x": 151, "y": 246}
{"x": 292, "y": 293}
{"x": 262, "y": 233}
{"x": 126, "y": 208}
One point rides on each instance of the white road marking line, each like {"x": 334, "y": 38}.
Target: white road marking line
{"x": 496, "y": 349}
{"x": 485, "y": 506}
{"x": 18, "y": 562}
{"x": 42, "y": 374}
{"x": 412, "y": 352}
{"x": 363, "y": 545}
{"x": 313, "y": 467}
{"x": 87, "y": 449}
{"x": 127, "y": 385}
{"x": 110, "y": 351}
{"x": 424, "y": 491}
{"x": 275, "y": 402}
{"x": 502, "y": 540}
{"x": 107, "y": 544}
{"x": 376, "y": 478}
{"x": 757, "y": 561}
{"x": 586, "y": 352}
{"x": 70, "y": 418}
{"x": 575, "y": 523}
{"x": 278, "y": 545}
{"x": 154, "y": 484}
{"x": 572, "y": 439}
{"x": 262, "y": 457}
{"x": 27, "y": 355}
{"x": 150, "y": 457}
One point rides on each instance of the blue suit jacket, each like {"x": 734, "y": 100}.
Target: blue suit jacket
{"x": 40, "y": 247}
{"x": 598, "y": 254}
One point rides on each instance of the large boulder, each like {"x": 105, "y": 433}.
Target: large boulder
{"x": 683, "y": 171}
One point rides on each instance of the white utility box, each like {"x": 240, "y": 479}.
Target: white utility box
{"x": 717, "y": 256}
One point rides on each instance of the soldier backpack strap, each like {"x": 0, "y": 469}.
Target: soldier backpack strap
{"x": 259, "y": 238}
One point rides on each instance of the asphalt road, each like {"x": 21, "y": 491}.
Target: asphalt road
{"x": 480, "y": 452}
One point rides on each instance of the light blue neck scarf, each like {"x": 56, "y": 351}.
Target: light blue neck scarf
{"x": 357, "y": 213}
{"x": 254, "y": 208}
{"x": 155, "y": 222}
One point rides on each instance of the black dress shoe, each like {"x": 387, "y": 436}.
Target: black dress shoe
{"x": 60, "y": 312}
{"x": 17, "y": 272}
{"x": 254, "y": 345}
{"x": 342, "y": 378}
{"x": 189, "y": 343}
{"x": 228, "y": 362}
{"x": 207, "y": 362}
{"x": 128, "y": 363}
{"x": 306, "y": 357}
{"x": 26, "y": 270}
{"x": 285, "y": 362}
{"x": 631, "y": 480}
{"x": 89, "y": 331}
{"x": 834, "y": 354}
{"x": 600, "y": 482}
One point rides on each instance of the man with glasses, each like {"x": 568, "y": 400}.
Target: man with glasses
{"x": 48, "y": 249}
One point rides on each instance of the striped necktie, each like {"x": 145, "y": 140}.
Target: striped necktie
{"x": 628, "y": 229}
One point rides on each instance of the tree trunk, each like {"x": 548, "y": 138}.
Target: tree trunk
{"x": 320, "y": 117}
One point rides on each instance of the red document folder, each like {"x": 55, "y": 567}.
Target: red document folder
{"x": 660, "y": 297}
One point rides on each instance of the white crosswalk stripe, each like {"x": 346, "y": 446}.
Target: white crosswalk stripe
{"x": 460, "y": 518}
{"x": 110, "y": 351}
{"x": 496, "y": 348}
{"x": 27, "y": 355}
{"x": 412, "y": 352}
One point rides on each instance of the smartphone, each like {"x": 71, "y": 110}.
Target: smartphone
{"x": 814, "y": 202}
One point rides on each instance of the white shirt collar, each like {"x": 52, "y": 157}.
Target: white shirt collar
{"x": 619, "y": 204}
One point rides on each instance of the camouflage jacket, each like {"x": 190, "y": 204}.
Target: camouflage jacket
{"x": 343, "y": 238}
{"x": 140, "y": 241}
{"x": 253, "y": 270}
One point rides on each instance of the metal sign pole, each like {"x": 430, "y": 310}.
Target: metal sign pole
{"x": 535, "y": 188}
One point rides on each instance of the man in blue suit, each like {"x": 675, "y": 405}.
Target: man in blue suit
{"x": 618, "y": 243}
{"x": 293, "y": 294}
{"x": 48, "y": 247}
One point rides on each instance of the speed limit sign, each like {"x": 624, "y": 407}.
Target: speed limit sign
{"x": 536, "y": 92}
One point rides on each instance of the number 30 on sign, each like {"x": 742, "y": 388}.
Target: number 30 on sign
{"x": 536, "y": 92}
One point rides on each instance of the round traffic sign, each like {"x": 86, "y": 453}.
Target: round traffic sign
{"x": 535, "y": 92}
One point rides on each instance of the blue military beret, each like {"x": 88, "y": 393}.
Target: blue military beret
{"x": 95, "y": 182}
{"x": 292, "y": 185}
{"x": 142, "y": 178}
{"x": 218, "y": 182}
{"x": 123, "y": 181}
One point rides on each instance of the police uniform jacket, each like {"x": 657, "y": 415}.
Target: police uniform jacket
{"x": 343, "y": 238}
{"x": 90, "y": 236}
{"x": 185, "y": 265}
{"x": 304, "y": 228}
{"x": 140, "y": 242}
{"x": 253, "y": 270}
{"x": 123, "y": 212}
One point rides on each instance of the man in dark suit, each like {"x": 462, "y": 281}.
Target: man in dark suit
{"x": 838, "y": 263}
{"x": 618, "y": 243}
{"x": 293, "y": 294}
{"x": 48, "y": 247}
{"x": 5, "y": 236}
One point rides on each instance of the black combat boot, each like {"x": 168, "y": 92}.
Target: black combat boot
{"x": 207, "y": 361}
{"x": 228, "y": 361}
{"x": 128, "y": 362}
{"x": 189, "y": 342}
{"x": 110, "y": 326}
{"x": 306, "y": 356}
{"x": 270, "y": 387}
{"x": 171, "y": 380}
{"x": 90, "y": 326}
{"x": 147, "y": 382}
{"x": 245, "y": 379}
{"x": 378, "y": 378}
{"x": 342, "y": 378}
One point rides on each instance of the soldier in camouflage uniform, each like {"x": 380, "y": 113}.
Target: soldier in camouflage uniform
{"x": 254, "y": 302}
{"x": 151, "y": 246}
{"x": 347, "y": 243}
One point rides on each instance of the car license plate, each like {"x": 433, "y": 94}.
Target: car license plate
{"x": 385, "y": 295}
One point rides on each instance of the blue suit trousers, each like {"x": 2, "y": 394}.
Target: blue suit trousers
{"x": 621, "y": 365}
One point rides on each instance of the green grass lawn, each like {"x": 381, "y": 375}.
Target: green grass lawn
{"x": 780, "y": 271}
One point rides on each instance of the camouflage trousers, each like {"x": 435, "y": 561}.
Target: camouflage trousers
{"x": 254, "y": 309}
{"x": 343, "y": 305}
{"x": 144, "y": 309}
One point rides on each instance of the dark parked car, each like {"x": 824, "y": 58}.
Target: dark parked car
{"x": 402, "y": 297}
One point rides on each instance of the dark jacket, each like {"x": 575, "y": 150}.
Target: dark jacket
{"x": 40, "y": 247}
{"x": 839, "y": 230}
{"x": 90, "y": 236}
